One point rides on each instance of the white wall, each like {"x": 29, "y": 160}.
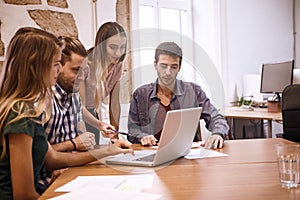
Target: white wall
{"x": 13, "y": 17}
{"x": 106, "y": 11}
{"x": 241, "y": 35}
{"x": 206, "y": 22}
{"x": 206, "y": 28}
{"x": 258, "y": 31}
{"x": 83, "y": 14}
{"x": 237, "y": 35}
{"x": 89, "y": 19}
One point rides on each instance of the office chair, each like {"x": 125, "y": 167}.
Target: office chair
{"x": 290, "y": 106}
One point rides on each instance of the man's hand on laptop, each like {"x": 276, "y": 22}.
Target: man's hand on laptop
{"x": 214, "y": 141}
{"x": 149, "y": 140}
{"x": 121, "y": 146}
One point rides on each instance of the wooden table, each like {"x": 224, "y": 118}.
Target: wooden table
{"x": 232, "y": 113}
{"x": 249, "y": 172}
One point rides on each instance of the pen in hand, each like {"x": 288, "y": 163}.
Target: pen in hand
{"x": 122, "y": 133}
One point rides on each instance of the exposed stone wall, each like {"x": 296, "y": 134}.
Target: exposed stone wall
{"x": 1, "y": 64}
{"x": 2, "y": 49}
{"x": 56, "y": 3}
{"x": 23, "y": 2}
{"x": 58, "y": 23}
{"x": 61, "y": 3}
{"x": 55, "y": 22}
{"x": 123, "y": 18}
{"x": 63, "y": 23}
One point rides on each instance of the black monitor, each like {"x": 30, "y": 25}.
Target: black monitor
{"x": 275, "y": 77}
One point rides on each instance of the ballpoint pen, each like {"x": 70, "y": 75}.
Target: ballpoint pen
{"x": 122, "y": 133}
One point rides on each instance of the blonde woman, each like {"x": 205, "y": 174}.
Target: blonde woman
{"x": 31, "y": 68}
{"x": 106, "y": 60}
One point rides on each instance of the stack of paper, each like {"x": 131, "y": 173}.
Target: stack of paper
{"x": 107, "y": 187}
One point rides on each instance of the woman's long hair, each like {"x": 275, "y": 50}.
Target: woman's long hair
{"x": 99, "y": 65}
{"x": 25, "y": 77}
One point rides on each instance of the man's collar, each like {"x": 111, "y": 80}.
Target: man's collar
{"x": 60, "y": 93}
{"x": 178, "y": 91}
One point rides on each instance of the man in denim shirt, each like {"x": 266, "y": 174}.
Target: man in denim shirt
{"x": 151, "y": 102}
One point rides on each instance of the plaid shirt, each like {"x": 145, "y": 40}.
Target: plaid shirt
{"x": 62, "y": 125}
{"x": 66, "y": 113}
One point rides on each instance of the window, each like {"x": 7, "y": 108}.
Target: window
{"x": 156, "y": 21}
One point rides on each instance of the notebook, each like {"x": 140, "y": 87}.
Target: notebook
{"x": 176, "y": 139}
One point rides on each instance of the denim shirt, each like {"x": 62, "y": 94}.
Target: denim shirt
{"x": 145, "y": 103}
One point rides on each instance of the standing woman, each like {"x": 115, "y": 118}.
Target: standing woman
{"x": 31, "y": 67}
{"x": 105, "y": 73}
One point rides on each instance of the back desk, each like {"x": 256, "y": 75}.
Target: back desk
{"x": 249, "y": 172}
{"x": 232, "y": 113}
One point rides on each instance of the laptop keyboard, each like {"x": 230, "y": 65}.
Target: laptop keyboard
{"x": 148, "y": 158}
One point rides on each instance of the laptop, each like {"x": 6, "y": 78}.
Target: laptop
{"x": 176, "y": 139}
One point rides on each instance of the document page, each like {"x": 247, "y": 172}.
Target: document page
{"x": 108, "y": 187}
{"x": 203, "y": 153}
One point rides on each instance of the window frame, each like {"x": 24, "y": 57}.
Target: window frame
{"x": 157, "y": 5}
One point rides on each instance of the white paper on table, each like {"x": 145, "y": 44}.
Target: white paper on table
{"x": 125, "y": 182}
{"x": 91, "y": 193}
{"x": 203, "y": 153}
{"x": 194, "y": 145}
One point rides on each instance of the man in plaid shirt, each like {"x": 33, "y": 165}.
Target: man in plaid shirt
{"x": 66, "y": 129}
